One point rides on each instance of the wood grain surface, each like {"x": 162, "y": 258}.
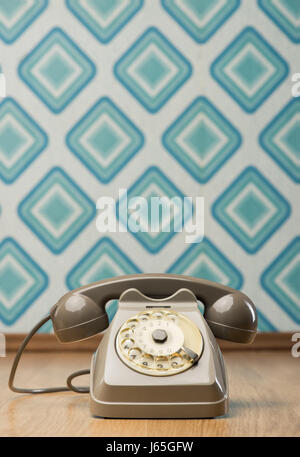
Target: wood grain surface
{"x": 264, "y": 400}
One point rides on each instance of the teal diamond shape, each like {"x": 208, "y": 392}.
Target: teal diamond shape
{"x": 11, "y": 281}
{"x": 201, "y": 18}
{"x": 249, "y": 69}
{"x": 105, "y": 140}
{"x": 281, "y": 139}
{"x": 285, "y": 14}
{"x": 21, "y": 281}
{"x": 10, "y": 140}
{"x": 103, "y": 18}
{"x": 16, "y": 16}
{"x": 21, "y": 140}
{"x": 104, "y": 260}
{"x": 56, "y": 70}
{"x": 154, "y": 183}
{"x": 281, "y": 280}
{"x": 205, "y": 260}
{"x": 152, "y": 69}
{"x": 292, "y": 138}
{"x": 251, "y": 209}
{"x": 201, "y": 139}
{"x": 56, "y": 210}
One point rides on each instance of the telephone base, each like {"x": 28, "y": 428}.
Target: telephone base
{"x": 159, "y": 410}
{"x": 118, "y": 390}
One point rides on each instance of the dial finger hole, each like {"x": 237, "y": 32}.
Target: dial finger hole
{"x": 135, "y": 353}
{"x": 144, "y": 317}
{"x": 157, "y": 315}
{"x": 132, "y": 323}
{"x": 161, "y": 363}
{"x": 172, "y": 317}
{"x": 127, "y": 333}
{"x": 146, "y": 361}
{"x": 127, "y": 344}
{"x": 176, "y": 361}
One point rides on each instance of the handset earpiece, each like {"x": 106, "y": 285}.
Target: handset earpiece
{"x": 76, "y": 317}
{"x": 232, "y": 317}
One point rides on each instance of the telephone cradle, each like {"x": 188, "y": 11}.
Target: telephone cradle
{"x": 158, "y": 358}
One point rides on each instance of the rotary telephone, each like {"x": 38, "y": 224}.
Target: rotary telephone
{"x": 158, "y": 358}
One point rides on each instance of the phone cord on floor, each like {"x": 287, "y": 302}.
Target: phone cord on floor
{"x": 69, "y": 387}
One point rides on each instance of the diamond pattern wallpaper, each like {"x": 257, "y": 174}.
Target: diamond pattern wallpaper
{"x": 161, "y": 97}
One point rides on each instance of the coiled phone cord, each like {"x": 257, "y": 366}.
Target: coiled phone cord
{"x": 69, "y": 387}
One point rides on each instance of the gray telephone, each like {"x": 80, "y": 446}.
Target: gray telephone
{"x": 158, "y": 358}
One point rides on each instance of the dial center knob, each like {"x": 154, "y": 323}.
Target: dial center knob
{"x": 159, "y": 335}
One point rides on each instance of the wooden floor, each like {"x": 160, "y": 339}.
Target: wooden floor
{"x": 264, "y": 391}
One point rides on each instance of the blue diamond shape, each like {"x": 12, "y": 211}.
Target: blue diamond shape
{"x": 21, "y": 140}
{"x": 11, "y": 281}
{"x": 56, "y": 70}
{"x": 292, "y": 138}
{"x": 201, "y": 139}
{"x": 56, "y": 210}
{"x": 251, "y": 209}
{"x": 104, "y": 7}
{"x": 104, "y": 19}
{"x": 285, "y": 14}
{"x": 267, "y": 209}
{"x": 154, "y": 183}
{"x": 10, "y": 140}
{"x": 249, "y": 69}
{"x": 152, "y": 69}
{"x": 16, "y": 16}
{"x": 201, "y": 18}
{"x": 281, "y": 279}
{"x": 281, "y": 139}
{"x": 205, "y": 260}
{"x": 105, "y": 140}
{"x": 21, "y": 281}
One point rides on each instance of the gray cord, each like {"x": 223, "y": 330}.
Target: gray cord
{"x": 80, "y": 390}
{"x": 48, "y": 389}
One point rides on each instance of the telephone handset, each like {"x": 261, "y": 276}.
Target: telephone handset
{"x": 159, "y": 357}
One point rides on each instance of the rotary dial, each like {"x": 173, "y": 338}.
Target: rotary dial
{"x": 159, "y": 342}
